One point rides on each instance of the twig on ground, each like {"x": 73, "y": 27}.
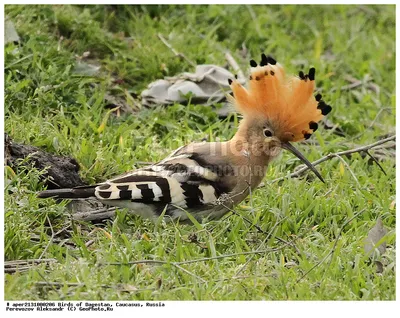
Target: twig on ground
{"x": 62, "y": 230}
{"x": 161, "y": 262}
{"x": 190, "y": 273}
{"x": 59, "y": 285}
{"x": 93, "y": 215}
{"x": 176, "y": 53}
{"x": 24, "y": 265}
{"x": 237, "y": 214}
{"x": 29, "y": 261}
{"x": 89, "y": 243}
{"x": 351, "y": 86}
{"x": 333, "y": 155}
{"x": 144, "y": 163}
{"x": 52, "y": 287}
{"x": 244, "y": 277}
{"x": 291, "y": 243}
{"x": 354, "y": 83}
{"x": 376, "y": 161}
{"x": 17, "y": 268}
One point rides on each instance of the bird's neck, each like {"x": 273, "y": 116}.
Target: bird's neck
{"x": 250, "y": 152}
{"x": 246, "y": 140}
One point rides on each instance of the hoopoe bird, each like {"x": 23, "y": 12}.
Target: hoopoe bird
{"x": 209, "y": 179}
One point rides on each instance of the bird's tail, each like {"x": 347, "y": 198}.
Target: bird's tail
{"x": 82, "y": 192}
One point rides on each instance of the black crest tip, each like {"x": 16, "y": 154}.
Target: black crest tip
{"x": 326, "y": 110}
{"x": 313, "y": 125}
{"x": 230, "y": 81}
{"x": 311, "y": 74}
{"x": 253, "y": 63}
{"x": 307, "y": 136}
{"x": 264, "y": 60}
{"x": 318, "y": 97}
{"x": 271, "y": 60}
{"x": 301, "y": 75}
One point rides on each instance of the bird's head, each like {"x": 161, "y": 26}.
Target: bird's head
{"x": 279, "y": 109}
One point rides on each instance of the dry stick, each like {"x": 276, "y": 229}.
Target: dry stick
{"x": 160, "y": 262}
{"x": 58, "y": 284}
{"x": 376, "y": 161}
{"x": 24, "y": 265}
{"x": 237, "y": 214}
{"x": 244, "y": 277}
{"x": 333, "y": 248}
{"x": 27, "y": 261}
{"x": 290, "y": 244}
{"x": 17, "y": 268}
{"x": 190, "y": 273}
{"x": 257, "y": 227}
{"x": 52, "y": 287}
{"x": 62, "y": 230}
{"x": 145, "y": 163}
{"x": 89, "y": 243}
{"x": 351, "y": 86}
{"x": 354, "y": 84}
{"x": 332, "y": 155}
{"x": 235, "y": 66}
{"x": 230, "y": 255}
{"x": 176, "y": 53}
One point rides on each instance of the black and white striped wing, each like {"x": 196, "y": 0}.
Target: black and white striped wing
{"x": 177, "y": 180}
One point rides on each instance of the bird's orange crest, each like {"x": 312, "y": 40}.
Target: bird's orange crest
{"x": 286, "y": 101}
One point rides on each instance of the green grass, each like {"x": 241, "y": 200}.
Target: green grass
{"x": 48, "y": 104}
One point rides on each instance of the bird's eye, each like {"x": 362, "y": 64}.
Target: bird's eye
{"x": 267, "y": 133}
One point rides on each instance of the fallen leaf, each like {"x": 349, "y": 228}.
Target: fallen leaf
{"x": 379, "y": 266}
{"x": 375, "y": 244}
{"x": 145, "y": 237}
{"x": 10, "y": 34}
{"x": 86, "y": 69}
{"x": 206, "y": 86}
{"x": 126, "y": 287}
{"x": 341, "y": 169}
{"x": 105, "y": 119}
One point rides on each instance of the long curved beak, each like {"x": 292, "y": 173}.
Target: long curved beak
{"x": 298, "y": 154}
